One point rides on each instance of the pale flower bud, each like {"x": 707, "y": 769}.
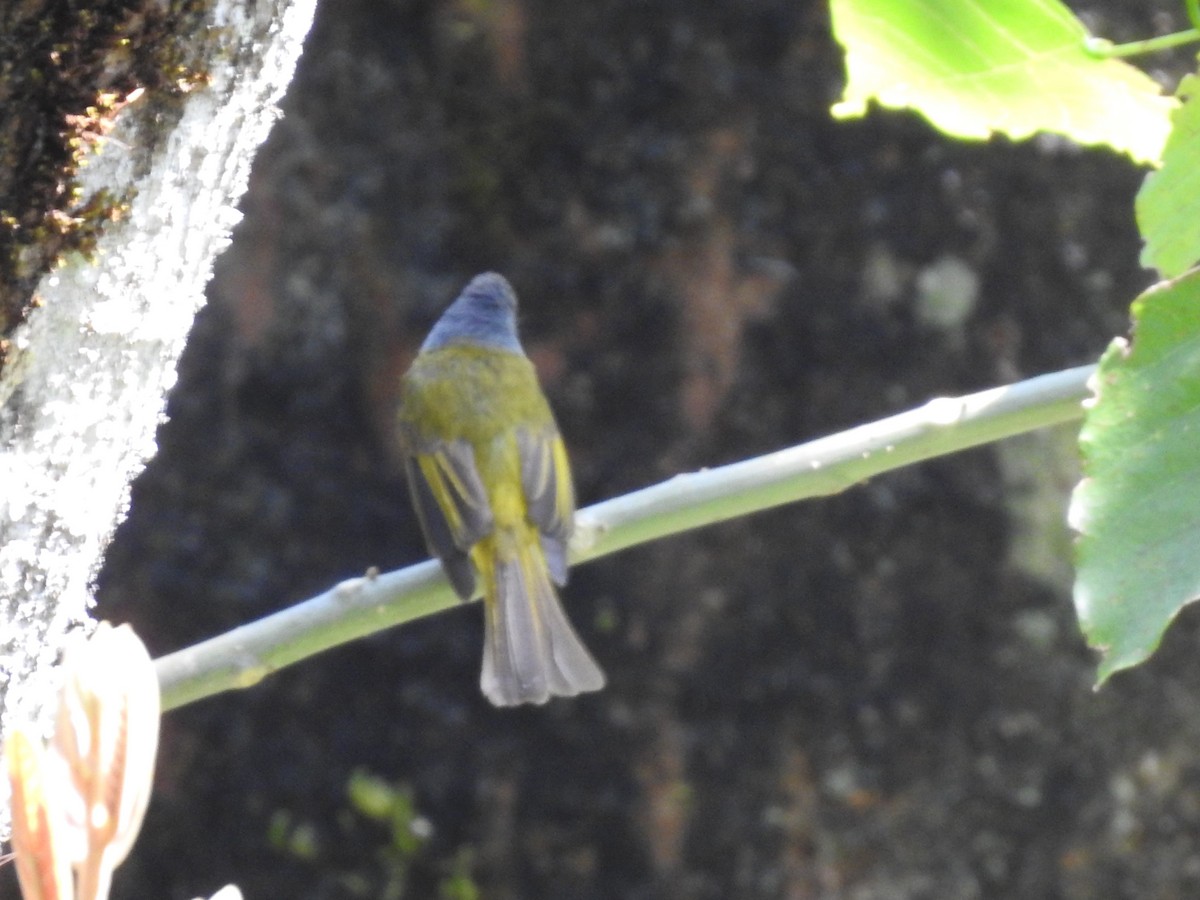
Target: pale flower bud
{"x": 43, "y": 868}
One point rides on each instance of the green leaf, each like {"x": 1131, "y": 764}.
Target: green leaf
{"x": 1138, "y": 506}
{"x": 975, "y": 67}
{"x": 1168, "y": 205}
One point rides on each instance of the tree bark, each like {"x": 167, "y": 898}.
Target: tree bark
{"x": 86, "y": 372}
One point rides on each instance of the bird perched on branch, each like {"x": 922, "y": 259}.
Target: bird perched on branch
{"x": 491, "y": 484}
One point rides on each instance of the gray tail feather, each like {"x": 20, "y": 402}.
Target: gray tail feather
{"x": 531, "y": 653}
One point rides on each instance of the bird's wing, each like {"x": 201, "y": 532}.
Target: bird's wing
{"x": 452, "y": 505}
{"x": 549, "y": 495}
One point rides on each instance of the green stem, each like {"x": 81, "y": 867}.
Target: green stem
{"x": 829, "y": 465}
{"x": 1105, "y": 49}
{"x": 1193, "y": 11}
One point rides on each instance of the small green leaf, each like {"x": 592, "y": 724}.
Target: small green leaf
{"x": 976, "y": 67}
{"x": 371, "y": 795}
{"x": 1138, "y": 506}
{"x": 1168, "y": 205}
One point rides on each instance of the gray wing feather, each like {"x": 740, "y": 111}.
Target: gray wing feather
{"x": 548, "y": 490}
{"x": 464, "y": 489}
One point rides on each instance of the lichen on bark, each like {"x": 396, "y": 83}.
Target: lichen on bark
{"x": 92, "y": 338}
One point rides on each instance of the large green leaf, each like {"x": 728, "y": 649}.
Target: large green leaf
{"x": 975, "y": 67}
{"x": 1138, "y": 506}
{"x": 1168, "y": 205}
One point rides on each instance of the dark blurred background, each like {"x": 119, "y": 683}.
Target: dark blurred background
{"x": 878, "y": 695}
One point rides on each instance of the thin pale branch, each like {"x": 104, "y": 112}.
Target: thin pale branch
{"x": 362, "y": 606}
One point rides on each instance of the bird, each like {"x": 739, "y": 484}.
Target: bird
{"x": 491, "y": 484}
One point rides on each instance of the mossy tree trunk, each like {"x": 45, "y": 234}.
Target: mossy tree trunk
{"x": 126, "y": 142}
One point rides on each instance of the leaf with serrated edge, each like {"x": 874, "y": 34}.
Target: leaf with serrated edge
{"x": 978, "y": 67}
{"x": 1138, "y": 506}
{"x": 1168, "y": 205}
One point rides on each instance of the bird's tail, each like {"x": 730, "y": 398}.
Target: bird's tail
{"x": 531, "y": 653}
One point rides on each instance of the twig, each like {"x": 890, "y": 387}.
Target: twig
{"x": 362, "y": 606}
